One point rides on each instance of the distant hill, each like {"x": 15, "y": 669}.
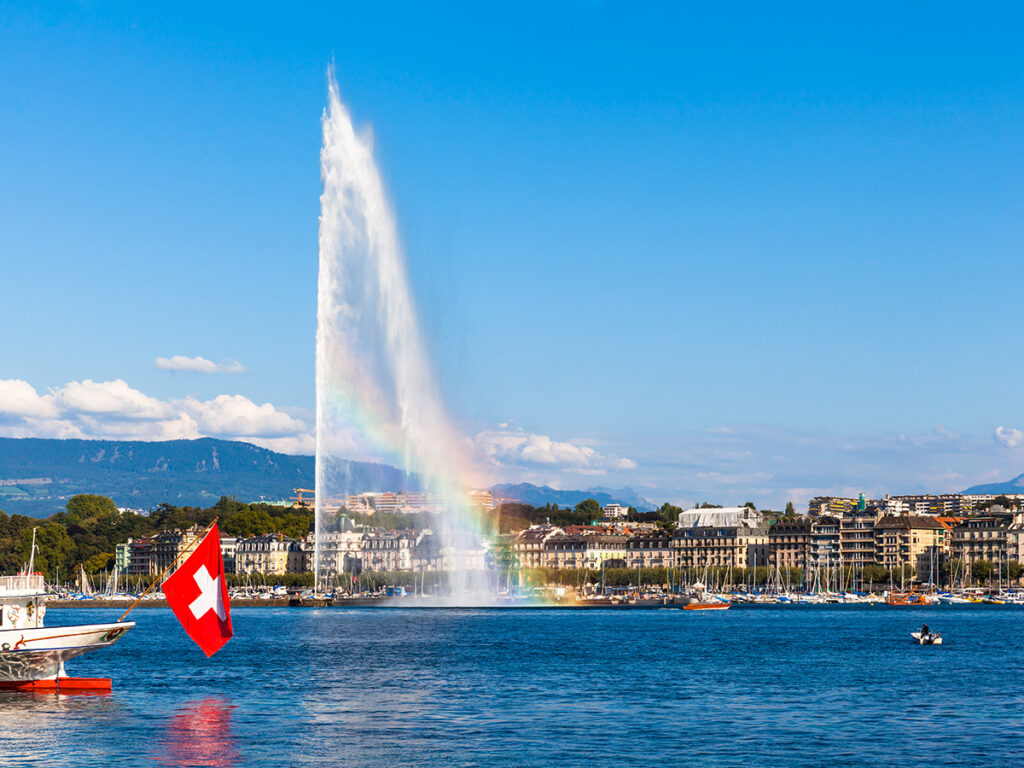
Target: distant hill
{"x": 38, "y": 476}
{"x": 1010, "y": 486}
{"x": 539, "y": 495}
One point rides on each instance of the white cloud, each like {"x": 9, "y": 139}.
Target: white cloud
{"x": 1009, "y": 436}
{"x": 506, "y": 448}
{"x": 113, "y": 399}
{"x": 198, "y": 365}
{"x": 19, "y": 399}
{"x": 237, "y": 415}
{"x": 115, "y": 410}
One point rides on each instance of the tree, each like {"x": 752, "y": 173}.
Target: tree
{"x": 981, "y": 570}
{"x": 1013, "y": 570}
{"x": 97, "y": 563}
{"x": 88, "y": 506}
{"x": 669, "y": 513}
{"x": 790, "y": 510}
{"x": 590, "y": 509}
{"x": 874, "y": 574}
{"x": 55, "y": 549}
{"x": 750, "y": 505}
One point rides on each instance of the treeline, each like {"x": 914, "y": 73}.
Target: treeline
{"x": 90, "y": 526}
{"x": 512, "y": 517}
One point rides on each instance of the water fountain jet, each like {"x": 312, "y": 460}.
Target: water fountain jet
{"x": 376, "y": 398}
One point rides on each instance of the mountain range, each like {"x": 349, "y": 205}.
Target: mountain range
{"x": 1016, "y": 485}
{"x": 539, "y": 495}
{"x": 38, "y": 476}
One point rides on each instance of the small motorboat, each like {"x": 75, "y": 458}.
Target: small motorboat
{"x": 706, "y": 607}
{"x": 932, "y": 638}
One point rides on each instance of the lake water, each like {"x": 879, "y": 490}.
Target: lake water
{"x": 786, "y": 686}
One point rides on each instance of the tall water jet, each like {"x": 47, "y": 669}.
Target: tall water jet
{"x": 376, "y": 398}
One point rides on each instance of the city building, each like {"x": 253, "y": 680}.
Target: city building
{"x": 650, "y": 550}
{"x": 528, "y": 546}
{"x": 920, "y": 541}
{"x": 170, "y": 547}
{"x": 269, "y": 553}
{"x": 482, "y": 500}
{"x": 942, "y": 505}
{"x": 982, "y": 538}
{"x": 835, "y": 506}
{"x": 615, "y": 512}
{"x": 388, "y": 550}
{"x": 980, "y": 500}
{"x": 565, "y": 551}
{"x": 140, "y": 557}
{"x": 428, "y": 553}
{"x": 1015, "y": 539}
{"x": 227, "y": 551}
{"x": 340, "y": 552}
{"x": 857, "y": 537}
{"x": 122, "y": 556}
{"x": 606, "y": 550}
{"x": 824, "y": 542}
{"x": 734, "y": 537}
{"x": 789, "y": 543}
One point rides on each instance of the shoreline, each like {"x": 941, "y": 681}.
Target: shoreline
{"x": 392, "y": 603}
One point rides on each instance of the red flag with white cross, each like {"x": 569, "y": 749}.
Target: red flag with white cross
{"x": 198, "y": 595}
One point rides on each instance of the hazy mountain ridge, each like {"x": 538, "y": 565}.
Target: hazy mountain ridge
{"x": 1016, "y": 485}
{"x": 38, "y": 475}
{"x": 539, "y": 495}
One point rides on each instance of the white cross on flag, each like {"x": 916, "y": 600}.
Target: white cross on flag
{"x": 198, "y": 595}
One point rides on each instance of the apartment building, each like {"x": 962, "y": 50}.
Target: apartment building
{"x": 725, "y": 536}
{"x": 917, "y": 540}
{"x": 650, "y": 550}
{"x": 270, "y": 553}
{"x": 983, "y": 538}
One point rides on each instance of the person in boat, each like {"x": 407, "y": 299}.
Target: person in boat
{"x": 925, "y": 631}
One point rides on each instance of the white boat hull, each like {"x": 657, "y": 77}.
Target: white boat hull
{"x": 39, "y": 653}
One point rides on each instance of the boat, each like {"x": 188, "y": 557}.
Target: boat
{"x": 700, "y": 599}
{"x": 32, "y": 655}
{"x": 706, "y": 606}
{"x": 913, "y": 597}
{"x": 932, "y": 638}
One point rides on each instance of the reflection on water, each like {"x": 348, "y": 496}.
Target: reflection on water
{"x": 36, "y": 726}
{"x": 199, "y": 734}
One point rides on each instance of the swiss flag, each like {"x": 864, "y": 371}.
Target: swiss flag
{"x": 198, "y": 595}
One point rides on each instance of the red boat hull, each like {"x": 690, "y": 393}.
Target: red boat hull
{"x": 60, "y": 685}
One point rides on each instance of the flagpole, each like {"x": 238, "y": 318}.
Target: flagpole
{"x": 173, "y": 563}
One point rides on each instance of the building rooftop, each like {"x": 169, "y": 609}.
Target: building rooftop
{"x": 727, "y": 517}
{"x": 919, "y": 522}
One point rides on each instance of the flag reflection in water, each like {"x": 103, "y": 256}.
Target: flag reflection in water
{"x": 200, "y": 734}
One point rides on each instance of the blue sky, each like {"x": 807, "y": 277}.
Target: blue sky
{"x": 630, "y": 228}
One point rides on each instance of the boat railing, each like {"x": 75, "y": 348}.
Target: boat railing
{"x": 22, "y": 584}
